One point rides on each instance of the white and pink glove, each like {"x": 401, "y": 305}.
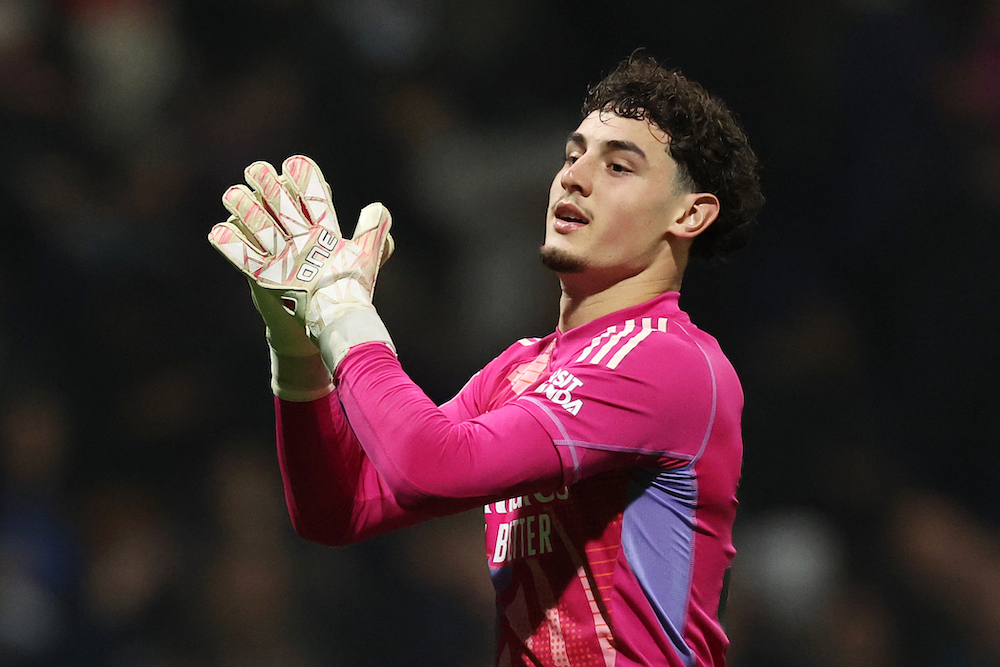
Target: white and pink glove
{"x": 311, "y": 285}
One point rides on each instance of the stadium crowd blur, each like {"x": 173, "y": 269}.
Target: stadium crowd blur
{"x": 141, "y": 515}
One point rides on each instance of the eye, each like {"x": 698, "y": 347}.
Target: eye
{"x": 620, "y": 168}
{"x": 571, "y": 158}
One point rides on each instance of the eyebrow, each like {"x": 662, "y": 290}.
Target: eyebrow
{"x": 611, "y": 144}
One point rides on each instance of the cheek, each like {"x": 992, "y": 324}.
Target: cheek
{"x": 627, "y": 221}
{"x": 634, "y": 229}
{"x": 655, "y": 217}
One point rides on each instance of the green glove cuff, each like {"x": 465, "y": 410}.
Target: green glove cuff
{"x": 299, "y": 379}
{"x": 284, "y": 334}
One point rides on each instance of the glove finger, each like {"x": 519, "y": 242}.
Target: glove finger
{"x": 372, "y": 229}
{"x": 230, "y": 240}
{"x": 388, "y": 246}
{"x": 305, "y": 180}
{"x": 259, "y": 224}
{"x": 279, "y": 203}
{"x": 372, "y": 237}
{"x": 263, "y": 178}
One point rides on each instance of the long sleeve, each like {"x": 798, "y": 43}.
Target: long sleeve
{"x": 334, "y": 494}
{"x": 426, "y": 458}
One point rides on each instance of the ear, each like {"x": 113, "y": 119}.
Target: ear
{"x": 702, "y": 210}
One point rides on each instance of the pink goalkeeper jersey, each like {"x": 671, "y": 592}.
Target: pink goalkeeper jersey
{"x": 607, "y": 458}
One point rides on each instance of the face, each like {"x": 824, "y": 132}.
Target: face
{"x": 614, "y": 201}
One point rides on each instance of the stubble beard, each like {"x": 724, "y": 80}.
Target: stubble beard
{"x": 560, "y": 261}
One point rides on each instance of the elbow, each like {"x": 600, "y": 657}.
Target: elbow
{"x": 317, "y": 530}
{"x": 410, "y": 500}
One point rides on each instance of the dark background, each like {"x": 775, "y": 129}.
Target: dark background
{"x": 141, "y": 515}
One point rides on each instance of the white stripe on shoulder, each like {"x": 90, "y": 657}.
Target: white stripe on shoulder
{"x": 594, "y": 343}
{"x": 613, "y": 345}
{"x": 647, "y": 328}
{"x": 628, "y": 328}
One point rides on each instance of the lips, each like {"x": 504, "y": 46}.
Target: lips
{"x": 570, "y": 214}
{"x": 568, "y": 218}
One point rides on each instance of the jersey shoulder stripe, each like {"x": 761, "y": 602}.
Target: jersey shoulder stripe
{"x": 617, "y": 341}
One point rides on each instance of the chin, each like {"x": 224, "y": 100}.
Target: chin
{"x": 560, "y": 261}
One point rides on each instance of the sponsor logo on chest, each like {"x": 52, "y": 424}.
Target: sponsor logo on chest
{"x": 529, "y": 533}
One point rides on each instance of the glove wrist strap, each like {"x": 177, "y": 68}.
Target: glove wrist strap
{"x": 352, "y": 324}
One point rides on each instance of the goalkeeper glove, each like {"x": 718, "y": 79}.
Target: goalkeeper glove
{"x": 304, "y": 276}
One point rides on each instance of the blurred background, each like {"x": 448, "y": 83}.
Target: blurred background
{"x": 141, "y": 514}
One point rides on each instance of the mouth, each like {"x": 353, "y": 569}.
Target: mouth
{"x": 569, "y": 214}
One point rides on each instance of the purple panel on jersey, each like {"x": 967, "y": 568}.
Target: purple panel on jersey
{"x": 658, "y": 540}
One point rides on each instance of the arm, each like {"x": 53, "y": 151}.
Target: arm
{"x": 329, "y": 490}
{"x": 657, "y": 409}
{"x": 427, "y": 459}
{"x": 335, "y": 496}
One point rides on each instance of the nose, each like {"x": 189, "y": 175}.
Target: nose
{"x": 576, "y": 177}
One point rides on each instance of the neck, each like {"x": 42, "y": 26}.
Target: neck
{"x": 585, "y": 299}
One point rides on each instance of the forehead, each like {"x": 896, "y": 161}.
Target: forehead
{"x": 604, "y": 126}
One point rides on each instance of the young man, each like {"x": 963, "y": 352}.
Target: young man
{"x": 606, "y": 454}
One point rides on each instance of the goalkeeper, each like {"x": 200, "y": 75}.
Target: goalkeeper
{"x": 606, "y": 455}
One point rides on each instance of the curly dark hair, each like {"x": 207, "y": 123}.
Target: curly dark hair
{"x": 706, "y": 142}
